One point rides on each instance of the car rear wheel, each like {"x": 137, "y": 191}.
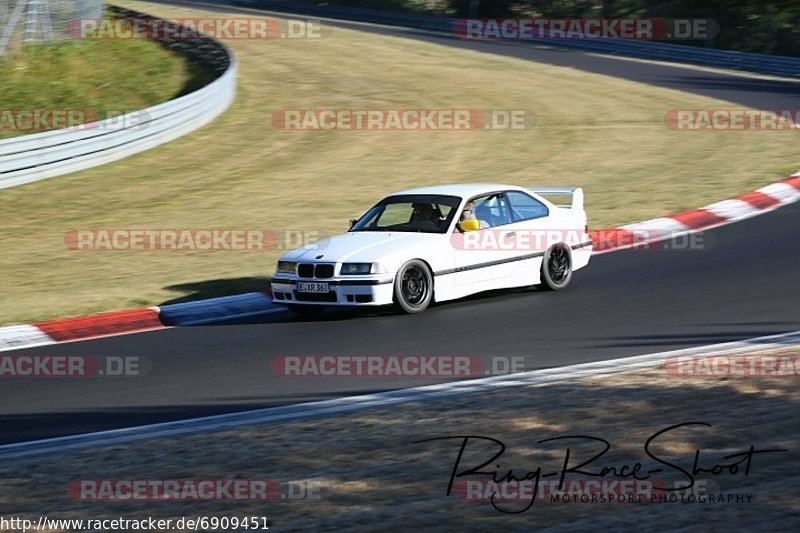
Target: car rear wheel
{"x": 413, "y": 287}
{"x": 556, "y": 268}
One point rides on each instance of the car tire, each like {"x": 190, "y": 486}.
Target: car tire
{"x": 413, "y": 287}
{"x": 305, "y": 310}
{"x": 556, "y": 268}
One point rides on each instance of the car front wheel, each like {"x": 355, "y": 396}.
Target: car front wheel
{"x": 413, "y": 287}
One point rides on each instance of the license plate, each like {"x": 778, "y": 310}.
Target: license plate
{"x": 312, "y": 286}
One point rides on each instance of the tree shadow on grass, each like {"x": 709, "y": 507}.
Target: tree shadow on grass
{"x": 388, "y": 449}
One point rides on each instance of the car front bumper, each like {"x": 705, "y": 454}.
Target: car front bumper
{"x": 362, "y": 291}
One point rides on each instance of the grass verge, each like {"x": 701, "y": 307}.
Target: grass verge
{"x": 104, "y": 77}
{"x": 604, "y": 134}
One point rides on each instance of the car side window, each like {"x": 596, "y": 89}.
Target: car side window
{"x": 524, "y": 207}
{"x": 492, "y": 210}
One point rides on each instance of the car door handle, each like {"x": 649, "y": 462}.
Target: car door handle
{"x": 512, "y": 234}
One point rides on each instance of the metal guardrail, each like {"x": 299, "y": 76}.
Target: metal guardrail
{"x": 43, "y": 155}
{"x": 759, "y": 63}
{"x": 30, "y": 21}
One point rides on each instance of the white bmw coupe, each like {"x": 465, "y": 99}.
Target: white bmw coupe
{"x": 440, "y": 243}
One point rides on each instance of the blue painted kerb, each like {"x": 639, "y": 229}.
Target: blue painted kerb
{"x": 216, "y": 309}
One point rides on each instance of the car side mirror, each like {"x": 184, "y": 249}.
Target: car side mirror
{"x": 353, "y": 222}
{"x": 469, "y": 224}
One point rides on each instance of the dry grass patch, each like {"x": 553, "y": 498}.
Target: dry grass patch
{"x": 602, "y": 133}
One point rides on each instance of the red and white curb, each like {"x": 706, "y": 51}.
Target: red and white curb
{"x": 81, "y": 328}
{"x": 711, "y": 216}
{"x": 629, "y": 236}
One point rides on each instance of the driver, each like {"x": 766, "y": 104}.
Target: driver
{"x": 426, "y": 213}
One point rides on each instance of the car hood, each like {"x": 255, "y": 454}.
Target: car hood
{"x": 360, "y": 246}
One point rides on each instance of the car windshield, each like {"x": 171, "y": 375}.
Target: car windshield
{"x": 424, "y": 213}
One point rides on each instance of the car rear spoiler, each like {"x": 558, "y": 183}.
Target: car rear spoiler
{"x": 575, "y": 192}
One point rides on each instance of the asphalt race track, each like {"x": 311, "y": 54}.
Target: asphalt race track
{"x": 744, "y": 284}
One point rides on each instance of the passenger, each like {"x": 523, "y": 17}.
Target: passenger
{"x": 469, "y": 214}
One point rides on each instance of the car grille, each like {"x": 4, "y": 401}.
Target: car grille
{"x": 310, "y": 270}
{"x": 323, "y": 271}
{"x": 304, "y": 270}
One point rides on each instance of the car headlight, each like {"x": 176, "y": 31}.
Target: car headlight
{"x": 287, "y": 267}
{"x": 353, "y": 269}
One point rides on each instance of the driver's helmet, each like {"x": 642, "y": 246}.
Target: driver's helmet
{"x": 422, "y": 212}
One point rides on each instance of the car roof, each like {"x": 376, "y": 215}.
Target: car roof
{"x": 463, "y": 190}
